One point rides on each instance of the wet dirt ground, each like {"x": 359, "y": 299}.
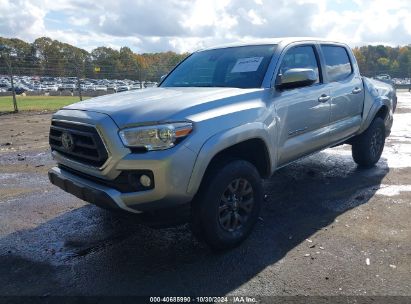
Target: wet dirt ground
{"x": 327, "y": 228}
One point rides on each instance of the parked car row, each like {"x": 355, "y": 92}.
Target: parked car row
{"x": 54, "y": 84}
{"x": 394, "y": 81}
{"x": 402, "y": 81}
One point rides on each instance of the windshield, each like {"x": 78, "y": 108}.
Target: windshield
{"x": 237, "y": 67}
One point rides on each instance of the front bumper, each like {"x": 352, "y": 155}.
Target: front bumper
{"x": 109, "y": 198}
{"x": 171, "y": 170}
{"x": 84, "y": 191}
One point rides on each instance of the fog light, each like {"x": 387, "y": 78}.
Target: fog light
{"x": 145, "y": 180}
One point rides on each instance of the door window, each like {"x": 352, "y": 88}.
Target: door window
{"x": 300, "y": 57}
{"x": 337, "y": 63}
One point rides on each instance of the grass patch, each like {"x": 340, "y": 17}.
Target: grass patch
{"x": 37, "y": 103}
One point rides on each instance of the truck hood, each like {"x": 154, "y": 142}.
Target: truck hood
{"x": 168, "y": 104}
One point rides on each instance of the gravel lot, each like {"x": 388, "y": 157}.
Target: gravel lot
{"x": 327, "y": 228}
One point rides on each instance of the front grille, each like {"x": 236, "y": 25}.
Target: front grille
{"x": 78, "y": 142}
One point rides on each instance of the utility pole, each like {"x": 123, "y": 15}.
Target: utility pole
{"x": 409, "y": 76}
{"x": 5, "y": 54}
{"x": 79, "y": 83}
{"x": 140, "y": 79}
{"x": 76, "y": 64}
{"x": 12, "y": 89}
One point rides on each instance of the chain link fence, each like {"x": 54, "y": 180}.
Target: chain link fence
{"x": 22, "y": 77}
{"x": 81, "y": 79}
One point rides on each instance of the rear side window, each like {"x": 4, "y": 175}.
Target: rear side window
{"x": 300, "y": 57}
{"x": 337, "y": 63}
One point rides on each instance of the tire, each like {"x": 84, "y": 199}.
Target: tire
{"x": 228, "y": 204}
{"x": 368, "y": 146}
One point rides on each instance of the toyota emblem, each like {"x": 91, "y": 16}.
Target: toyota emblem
{"x": 67, "y": 141}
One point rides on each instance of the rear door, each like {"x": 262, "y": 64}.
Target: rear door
{"x": 346, "y": 91}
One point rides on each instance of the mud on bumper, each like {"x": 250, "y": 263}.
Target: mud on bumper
{"x": 83, "y": 192}
{"x": 105, "y": 195}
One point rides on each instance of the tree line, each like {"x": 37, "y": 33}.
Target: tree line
{"x": 47, "y": 57}
{"x": 380, "y": 59}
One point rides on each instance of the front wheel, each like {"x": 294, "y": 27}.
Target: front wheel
{"x": 228, "y": 204}
{"x": 368, "y": 146}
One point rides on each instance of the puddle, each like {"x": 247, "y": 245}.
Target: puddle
{"x": 393, "y": 190}
{"x": 6, "y": 176}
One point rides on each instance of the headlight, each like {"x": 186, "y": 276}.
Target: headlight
{"x": 158, "y": 137}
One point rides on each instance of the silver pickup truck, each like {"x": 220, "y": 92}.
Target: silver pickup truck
{"x": 221, "y": 121}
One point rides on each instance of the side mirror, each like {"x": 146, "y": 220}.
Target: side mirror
{"x": 162, "y": 77}
{"x": 294, "y": 78}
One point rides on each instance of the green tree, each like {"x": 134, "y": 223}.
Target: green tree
{"x": 107, "y": 60}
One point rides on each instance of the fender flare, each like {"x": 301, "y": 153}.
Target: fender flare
{"x": 376, "y": 106}
{"x": 224, "y": 140}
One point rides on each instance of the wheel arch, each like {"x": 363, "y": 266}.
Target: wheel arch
{"x": 380, "y": 108}
{"x": 382, "y": 112}
{"x": 249, "y": 142}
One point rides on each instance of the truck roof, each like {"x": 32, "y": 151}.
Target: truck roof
{"x": 285, "y": 40}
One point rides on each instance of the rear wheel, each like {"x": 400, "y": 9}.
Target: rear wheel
{"x": 227, "y": 205}
{"x": 368, "y": 146}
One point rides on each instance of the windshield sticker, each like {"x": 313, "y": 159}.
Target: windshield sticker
{"x": 249, "y": 64}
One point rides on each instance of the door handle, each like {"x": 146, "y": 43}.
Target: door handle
{"x": 356, "y": 90}
{"x": 324, "y": 98}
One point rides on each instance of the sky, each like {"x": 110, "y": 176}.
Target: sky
{"x": 187, "y": 25}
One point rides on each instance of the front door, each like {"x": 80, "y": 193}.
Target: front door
{"x": 304, "y": 112}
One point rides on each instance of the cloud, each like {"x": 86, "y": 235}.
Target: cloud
{"x": 14, "y": 19}
{"x": 185, "y": 25}
{"x": 144, "y": 18}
